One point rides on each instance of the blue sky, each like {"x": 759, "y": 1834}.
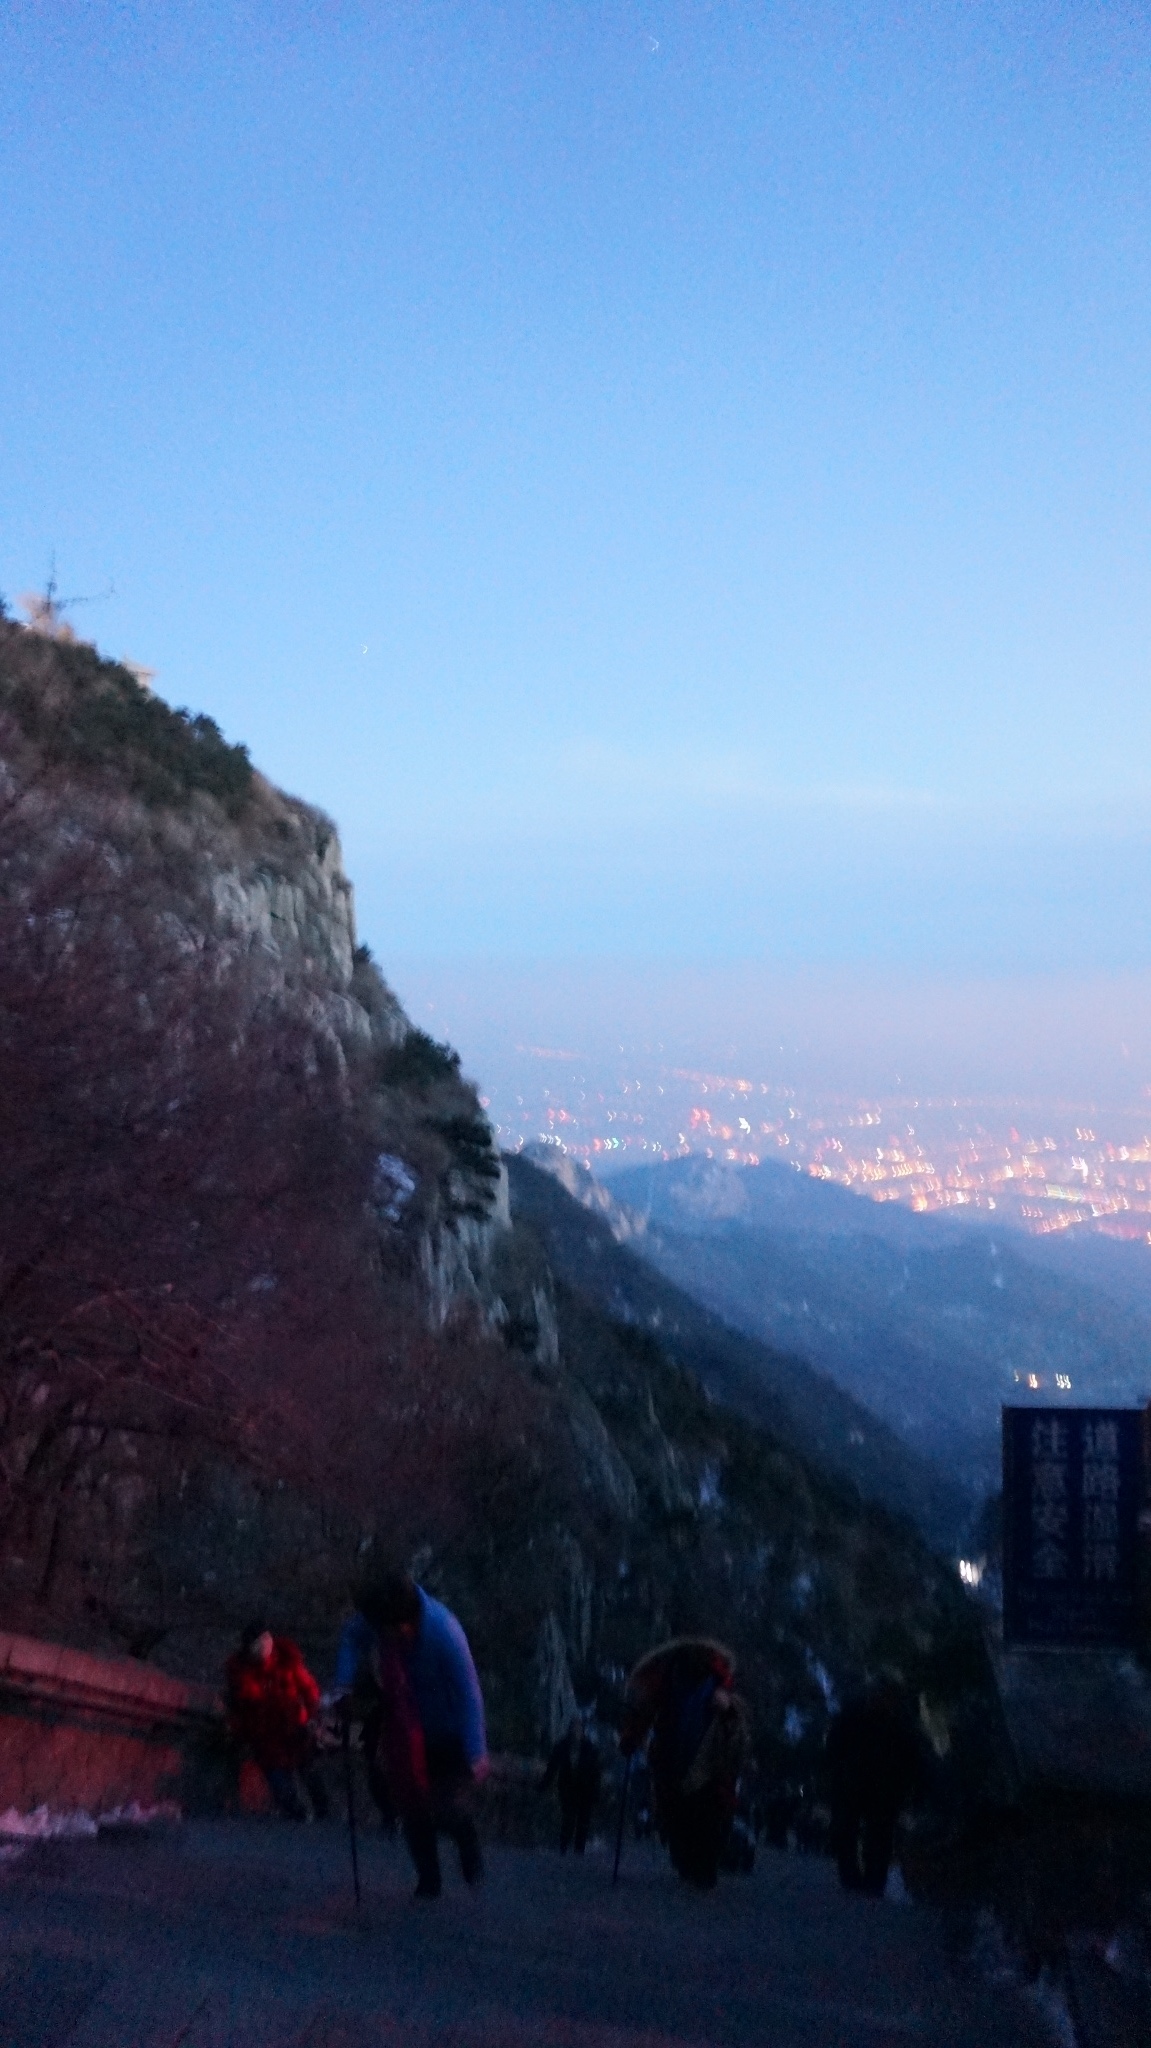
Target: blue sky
{"x": 671, "y": 479}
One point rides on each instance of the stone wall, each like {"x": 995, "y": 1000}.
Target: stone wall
{"x": 85, "y": 1733}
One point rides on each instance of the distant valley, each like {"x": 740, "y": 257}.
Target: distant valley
{"x": 929, "y": 1324}
{"x": 589, "y": 1245}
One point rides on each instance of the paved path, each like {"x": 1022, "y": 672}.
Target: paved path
{"x": 243, "y": 1935}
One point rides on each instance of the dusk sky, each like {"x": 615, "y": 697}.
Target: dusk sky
{"x": 672, "y": 480}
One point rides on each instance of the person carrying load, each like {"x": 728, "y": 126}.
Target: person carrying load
{"x": 681, "y": 1701}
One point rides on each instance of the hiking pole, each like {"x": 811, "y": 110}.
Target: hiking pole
{"x": 622, "y": 1815}
{"x": 346, "y": 1717}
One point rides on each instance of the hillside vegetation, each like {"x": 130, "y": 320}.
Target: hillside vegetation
{"x": 770, "y": 1386}
{"x": 94, "y": 720}
{"x": 266, "y": 1317}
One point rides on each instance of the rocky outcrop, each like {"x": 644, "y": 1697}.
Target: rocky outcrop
{"x": 556, "y": 1704}
{"x": 457, "y": 1262}
{"x": 625, "y": 1224}
{"x": 311, "y": 913}
{"x": 544, "y": 1450}
{"x": 175, "y": 816}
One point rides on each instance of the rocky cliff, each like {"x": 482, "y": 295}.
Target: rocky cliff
{"x": 405, "y": 1373}
{"x": 91, "y": 758}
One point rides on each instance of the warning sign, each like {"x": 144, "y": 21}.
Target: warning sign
{"x": 1072, "y": 1486}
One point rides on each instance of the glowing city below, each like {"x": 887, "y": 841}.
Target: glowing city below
{"x": 1043, "y": 1167}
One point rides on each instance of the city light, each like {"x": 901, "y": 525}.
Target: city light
{"x": 1044, "y": 1168}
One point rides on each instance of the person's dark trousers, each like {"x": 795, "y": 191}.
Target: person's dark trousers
{"x": 420, "y": 1836}
{"x": 286, "y": 1793}
{"x": 317, "y": 1790}
{"x": 285, "y": 1790}
{"x": 445, "y": 1812}
{"x": 696, "y": 1835}
{"x": 878, "y": 1849}
{"x": 846, "y": 1818}
{"x": 575, "y": 1820}
{"x": 872, "y": 1830}
{"x": 377, "y": 1782}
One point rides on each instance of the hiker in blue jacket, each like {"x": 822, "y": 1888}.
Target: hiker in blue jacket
{"x": 416, "y": 1644}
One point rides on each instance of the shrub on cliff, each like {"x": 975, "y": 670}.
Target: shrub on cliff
{"x": 85, "y": 715}
{"x": 438, "y": 1126}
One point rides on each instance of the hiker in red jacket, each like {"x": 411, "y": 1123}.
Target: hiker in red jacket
{"x": 272, "y": 1702}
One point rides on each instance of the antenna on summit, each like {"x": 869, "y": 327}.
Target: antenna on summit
{"x": 45, "y": 609}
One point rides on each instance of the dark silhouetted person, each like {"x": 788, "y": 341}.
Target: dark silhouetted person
{"x": 873, "y": 1762}
{"x": 681, "y": 1697}
{"x": 432, "y": 1745}
{"x": 271, "y": 1701}
{"x": 574, "y": 1769}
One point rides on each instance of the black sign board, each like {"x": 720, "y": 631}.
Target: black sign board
{"x": 1072, "y": 1481}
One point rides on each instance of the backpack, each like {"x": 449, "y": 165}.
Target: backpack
{"x": 693, "y": 1718}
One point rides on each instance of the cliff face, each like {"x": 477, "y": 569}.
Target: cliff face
{"x": 89, "y": 757}
{"x": 308, "y": 914}
{"x": 552, "y": 1468}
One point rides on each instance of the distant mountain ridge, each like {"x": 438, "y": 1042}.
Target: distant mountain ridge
{"x": 928, "y": 1324}
{"x": 603, "y": 1251}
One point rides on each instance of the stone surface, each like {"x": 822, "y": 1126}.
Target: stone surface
{"x": 82, "y": 1731}
{"x": 228, "y": 1933}
{"x": 35, "y": 1669}
{"x": 92, "y": 1770}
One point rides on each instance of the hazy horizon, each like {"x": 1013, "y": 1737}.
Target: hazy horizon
{"x": 851, "y": 1032}
{"x": 672, "y": 483}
